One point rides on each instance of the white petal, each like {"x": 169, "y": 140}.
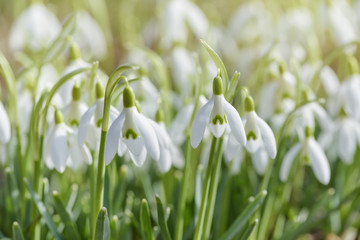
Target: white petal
{"x": 200, "y": 122}
{"x": 267, "y": 137}
{"x": 232, "y": 148}
{"x": 260, "y": 160}
{"x": 148, "y": 135}
{"x": 288, "y": 160}
{"x": 139, "y": 159}
{"x": 179, "y": 124}
{"x": 135, "y": 146}
{"x": 85, "y": 152}
{"x": 329, "y": 80}
{"x": 234, "y": 121}
{"x": 347, "y": 141}
{"x": 217, "y": 129}
{"x": 84, "y": 124}
{"x": 319, "y": 162}
{"x": 112, "y": 138}
{"x": 164, "y": 162}
{"x": 59, "y": 148}
{"x": 323, "y": 118}
{"x": 5, "y": 129}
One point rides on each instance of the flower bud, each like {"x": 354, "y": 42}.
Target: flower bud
{"x": 99, "y": 90}
{"x": 58, "y": 117}
{"x": 249, "y": 104}
{"x": 217, "y": 85}
{"x": 128, "y": 97}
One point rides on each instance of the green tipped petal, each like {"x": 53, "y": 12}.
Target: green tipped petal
{"x": 99, "y": 90}
{"x": 76, "y": 93}
{"x": 217, "y": 85}
{"x": 353, "y": 65}
{"x": 129, "y": 97}
{"x": 58, "y": 117}
{"x": 159, "y": 117}
{"x": 249, "y": 104}
{"x": 309, "y": 132}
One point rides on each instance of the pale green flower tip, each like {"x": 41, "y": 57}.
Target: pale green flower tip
{"x": 103, "y": 211}
{"x": 76, "y": 93}
{"x": 16, "y": 224}
{"x": 123, "y": 170}
{"x": 217, "y": 85}
{"x": 251, "y": 199}
{"x": 282, "y": 67}
{"x": 74, "y": 51}
{"x": 159, "y": 116}
{"x": 55, "y": 193}
{"x": 99, "y": 90}
{"x": 58, "y": 117}
{"x": 249, "y": 104}
{"x": 331, "y": 191}
{"x": 129, "y": 97}
{"x": 309, "y": 132}
{"x": 264, "y": 193}
{"x": 143, "y": 201}
{"x": 352, "y": 65}
{"x": 115, "y": 219}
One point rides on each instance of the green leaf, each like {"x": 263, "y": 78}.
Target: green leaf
{"x": 17, "y": 232}
{"x": 241, "y": 220}
{"x": 102, "y": 230}
{"x": 219, "y": 63}
{"x": 145, "y": 221}
{"x": 43, "y": 211}
{"x": 249, "y": 230}
{"x": 70, "y": 231}
{"x": 60, "y": 42}
{"x": 161, "y": 218}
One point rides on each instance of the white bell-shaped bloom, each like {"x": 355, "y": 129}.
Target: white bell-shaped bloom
{"x": 135, "y": 130}
{"x": 217, "y": 113}
{"x": 312, "y": 151}
{"x": 36, "y": 28}
{"x": 89, "y": 36}
{"x": 178, "y": 15}
{"x": 233, "y": 153}
{"x": 75, "y": 109}
{"x": 342, "y": 140}
{"x": 90, "y": 122}
{"x": 61, "y": 148}
{"x": 5, "y": 128}
{"x": 258, "y": 132}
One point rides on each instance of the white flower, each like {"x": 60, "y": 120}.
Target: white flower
{"x": 36, "y": 28}
{"x": 75, "y": 109}
{"x": 180, "y": 14}
{"x": 90, "y": 122}
{"x": 61, "y": 148}
{"x": 90, "y": 36}
{"x": 257, "y": 131}
{"x": 342, "y": 140}
{"x": 218, "y": 114}
{"x": 5, "y": 129}
{"x": 135, "y": 130}
{"x": 311, "y": 151}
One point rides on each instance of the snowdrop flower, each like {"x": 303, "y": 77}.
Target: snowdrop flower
{"x": 257, "y": 131}
{"x": 135, "y": 130}
{"x": 89, "y": 36}
{"x": 342, "y": 140}
{"x": 75, "y": 109}
{"x": 342, "y": 26}
{"x": 179, "y": 14}
{"x": 61, "y": 148}
{"x": 90, "y": 122}
{"x": 36, "y": 28}
{"x": 5, "y": 129}
{"x": 217, "y": 113}
{"x": 344, "y": 96}
{"x": 312, "y": 153}
{"x": 233, "y": 154}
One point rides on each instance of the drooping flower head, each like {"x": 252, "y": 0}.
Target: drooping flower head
{"x": 217, "y": 113}
{"x": 133, "y": 129}
{"x": 312, "y": 154}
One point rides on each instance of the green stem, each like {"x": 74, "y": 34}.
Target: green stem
{"x": 204, "y": 198}
{"x": 183, "y": 193}
{"x": 99, "y": 192}
{"x": 214, "y": 183}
